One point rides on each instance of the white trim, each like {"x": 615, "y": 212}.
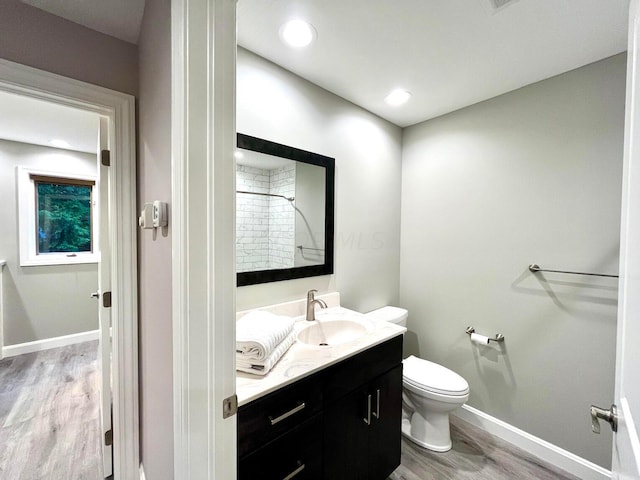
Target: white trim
{"x": 203, "y": 37}
{"x": 119, "y": 108}
{"x": 630, "y": 425}
{"x": 142, "y": 476}
{"x": 2, "y": 264}
{"x": 27, "y": 220}
{"x": 542, "y": 449}
{"x": 47, "y": 343}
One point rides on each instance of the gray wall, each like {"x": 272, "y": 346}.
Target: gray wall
{"x": 309, "y": 213}
{"x": 39, "y": 39}
{"x": 154, "y": 183}
{"x": 274, "y": 104}
{"x": 530, "y": 176}
{"x": 44, "y": 301}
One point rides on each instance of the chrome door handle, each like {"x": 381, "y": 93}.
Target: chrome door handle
{"x": 610, "y": 416}
{"x": 367, "y": 419}
{"x": 95, "y": 295}
{"x": 376, "y": 414}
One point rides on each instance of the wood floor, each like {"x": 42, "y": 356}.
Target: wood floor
{"x": 49, "y": 415}
{"x": 475, "y": 455}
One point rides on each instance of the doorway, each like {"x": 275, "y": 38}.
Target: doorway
{"x": 113, "y": 190}
{"x": 50, "y": 393}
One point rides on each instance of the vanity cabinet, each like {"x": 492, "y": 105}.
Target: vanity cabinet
{"x": 342, "y": 422}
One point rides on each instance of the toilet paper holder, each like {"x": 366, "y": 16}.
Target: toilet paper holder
{"x": 498, "y": 337}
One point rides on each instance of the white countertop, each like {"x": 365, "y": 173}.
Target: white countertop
{"x": 302, "y": 360}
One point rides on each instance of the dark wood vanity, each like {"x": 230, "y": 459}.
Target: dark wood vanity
{"x": 342, "y": 422}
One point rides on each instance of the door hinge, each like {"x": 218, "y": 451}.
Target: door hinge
{"x": 105, "y": 158}
{"x": 106, "y": 299}
{"x": 230, "y": 406}
{"x": 108, "y": 438}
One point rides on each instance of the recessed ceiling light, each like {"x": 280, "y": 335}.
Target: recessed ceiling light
{"x": 297, "y": 33}
{"x": 58, "y": 143}
{"x": 397, "y": 97}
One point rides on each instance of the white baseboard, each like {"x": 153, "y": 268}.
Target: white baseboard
{"x": 142, "y": 477}
{"x": 39, "y": 345}
{"x": 542, "y": 449}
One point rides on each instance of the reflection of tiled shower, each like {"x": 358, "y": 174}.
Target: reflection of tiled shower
{"x": 265, "y": 227}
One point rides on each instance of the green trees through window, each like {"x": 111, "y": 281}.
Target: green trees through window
{"x": 63, "y": 216}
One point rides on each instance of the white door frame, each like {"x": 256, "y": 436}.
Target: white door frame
{"x": 626, "y": 445}
{"x": 120, "y": 110}
{"x": 203, "y": 195}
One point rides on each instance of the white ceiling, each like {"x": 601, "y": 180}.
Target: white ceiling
{"x": 28, "y": 120}
{"x": 118, "y": 18}
{"x": 448, "y": 53}
{"x": 260, "y": 160}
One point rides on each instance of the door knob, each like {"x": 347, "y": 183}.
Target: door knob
{"x": 610, "y": 416}
{"x": 95, "y": 295}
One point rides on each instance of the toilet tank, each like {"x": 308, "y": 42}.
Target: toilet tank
{"x": 390, "y": 314}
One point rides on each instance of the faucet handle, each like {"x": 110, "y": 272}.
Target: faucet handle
{"x": 310, "y": 294}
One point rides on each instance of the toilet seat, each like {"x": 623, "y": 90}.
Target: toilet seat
{"x": 430, "y": 377}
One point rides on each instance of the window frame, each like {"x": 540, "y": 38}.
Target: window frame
{"x": 27, "y": 206}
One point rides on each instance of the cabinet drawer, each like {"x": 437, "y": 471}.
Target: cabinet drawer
{"x": 296, "y": 455}
{"x": 268, "y": 417}
{"x": 354, "y": 372}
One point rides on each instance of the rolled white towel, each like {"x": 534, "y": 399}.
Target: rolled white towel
{"x": 258, "y": 333}
{"x": 262, "y": 367}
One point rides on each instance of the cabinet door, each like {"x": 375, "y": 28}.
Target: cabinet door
{"x": 346, "y": 443}
{"x": 362, "y": 431}
{"x": 385, "y": 431}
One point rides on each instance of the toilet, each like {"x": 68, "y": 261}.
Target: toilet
{"x": 430, "y": 391}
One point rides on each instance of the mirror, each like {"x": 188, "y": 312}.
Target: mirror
{"x": 284, "y": 212}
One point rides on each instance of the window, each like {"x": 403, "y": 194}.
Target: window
{"x": 57, "y": 221}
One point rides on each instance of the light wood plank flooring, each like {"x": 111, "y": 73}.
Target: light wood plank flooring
{"x": 49, "y": 415}
{"x": 475, "y": 455}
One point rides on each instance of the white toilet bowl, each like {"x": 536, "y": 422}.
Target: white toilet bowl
{"x": 430, "y": 392}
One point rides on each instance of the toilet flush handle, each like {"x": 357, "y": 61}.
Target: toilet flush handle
{"x": 610, "y": 416}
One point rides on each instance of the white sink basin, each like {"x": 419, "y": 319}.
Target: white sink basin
{"x": 332, "y": 332}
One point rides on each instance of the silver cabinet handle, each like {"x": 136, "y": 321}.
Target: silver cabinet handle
{"x": 376, "y": 414}
{"x": 295, "y": 472}
{"x": 294, "y": 410}
{"x": 367, "y": 419}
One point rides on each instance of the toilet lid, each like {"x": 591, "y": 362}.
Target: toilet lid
{"x": 433, "y": 377}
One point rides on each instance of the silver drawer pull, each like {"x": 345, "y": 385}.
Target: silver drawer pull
{"x": 295, "y": 410}
{"x": 295, "y": 472}
{"x": 376, "y": 414}
{"x": 367, "y": 419}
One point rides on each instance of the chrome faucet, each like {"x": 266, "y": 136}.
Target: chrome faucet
{"x": 311, "y": 305}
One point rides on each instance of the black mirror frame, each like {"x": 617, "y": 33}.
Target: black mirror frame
{"x": 255, "y": 144}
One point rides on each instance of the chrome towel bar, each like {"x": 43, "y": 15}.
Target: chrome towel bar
{"x": 300, "y": 247}
{"x": 536, "y": 268}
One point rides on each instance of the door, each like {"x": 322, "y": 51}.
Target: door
{"x": 346, "y": 436}
{"x": 104, "y": 310}
{"x": 626, "y": 444}
{"x": 362, "y": 431}
{"x": 385, "y": 435}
